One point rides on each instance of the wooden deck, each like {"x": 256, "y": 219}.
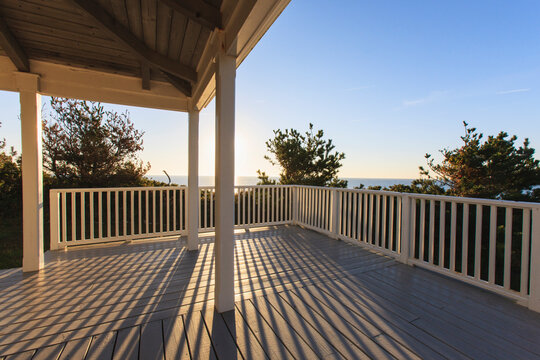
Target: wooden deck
{"x": 301, "y": 295}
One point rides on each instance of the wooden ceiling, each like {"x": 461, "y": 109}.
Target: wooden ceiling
{"x": 158, "y": 40}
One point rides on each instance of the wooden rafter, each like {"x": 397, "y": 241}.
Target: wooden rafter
{"x": 13, "y": 49}
{"x": 182, "y": 85}
{"x": 199, "y": 11}
{"x": 145, "y": 76}
{"x": 139, "y": 48}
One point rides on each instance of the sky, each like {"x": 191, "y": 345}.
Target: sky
{"x": 387, "y": 80}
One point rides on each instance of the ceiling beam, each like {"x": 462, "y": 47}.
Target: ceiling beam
{"x": 182, "y": 85}
{"x": 138, "y": 47}
{"x": 12, "y": 48}
{"x": 145, "y": 76}
{"x": 199, "y": 11}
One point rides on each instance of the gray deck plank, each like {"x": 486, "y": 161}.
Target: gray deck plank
{"x": 349, "y": 349}
{"x": 200, "y": 345}
{"x": 102, "y": 346}
{"x": 515, "y": 331}
{"x": 461, "y": 333}
{"x": 151, "y": 347}
{"x": 326, "y": 305}
{"x": 270, "y": 342}
{"x": 174, "y": 335}
{"x": 222, "y": 341}
{"x": 317, "y": 294}
{"x": 49, "y": 353}
{"x": 127, "y": 344}
{"x": 246, "y": 341}
{"x": 75, "y": 349}
{"x": 455, "y": 302}
{"x": 25, "y": 355}
{"x": 416, "y": 339}
{"x": 294, "y": 343}
{"x": 311, "y": 336}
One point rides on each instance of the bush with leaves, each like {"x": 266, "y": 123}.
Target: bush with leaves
{"x": 305, "y": 159}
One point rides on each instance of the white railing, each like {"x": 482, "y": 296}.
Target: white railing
{"x": 488, "y": 243}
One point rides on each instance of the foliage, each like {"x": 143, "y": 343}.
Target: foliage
{"x": 494, "y": 168}
{"x": 10, "y": 181}
{"x": 305, "y": 159}
{"x": 86, "y": 146}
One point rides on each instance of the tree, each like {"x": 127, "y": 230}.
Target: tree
{"x": 85, "y": 145}
{"x": 305, "y": 159}
{"x": 10, "y": 181}
{"x": 494, "y": 168}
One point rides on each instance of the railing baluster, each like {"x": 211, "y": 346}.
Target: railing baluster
{"x": 492, "y": 242}
{"x": 147, "y": 207}
{"x": 413, "y": 228}
{"x": 167, "y": 227}
{"x": 507, "y": 248}
{"x": 465, "y": 240}
{"x": 140, "y": 211}
{"x": 100, "y": 214}
{"x": 206, "y": 208}
{"x": 366, "y": 212}
{"x": 391, "y": 218}
{"x": 92, "y": 215}
{"x": 370, "y": 224}
{"x": 453, "y": 231}
{"x": 377, "y": 220}
{"x": 525, "y": 252}
{"x": 384, "y": 221}
{"x": 442, "y": 233}
{"x": 354, "y": 227}
{"x": 422, "y": 225}
{"x": 124, "y": 211}
{"x": 478, "y": 242}
{"x": 431, "y": 231}
{"x": 83, "y": 216}
{"x": 73, "y": 216}
{"x": 132, "y": 208}
{"x": 64, "y": 218}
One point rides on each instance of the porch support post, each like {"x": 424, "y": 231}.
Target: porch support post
{"x": 193, "y": 181}
{"x": 224, "y": 244}
{"x": 32, "y": 171}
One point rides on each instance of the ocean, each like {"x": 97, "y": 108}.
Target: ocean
{"x": 252, "y": 180}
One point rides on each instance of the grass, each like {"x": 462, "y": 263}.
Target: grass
{"x": 11, "y": 247}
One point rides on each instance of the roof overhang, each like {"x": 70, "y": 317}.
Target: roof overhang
{"x": 245, "y": 22}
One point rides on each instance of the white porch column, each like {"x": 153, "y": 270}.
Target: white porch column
{"x": 193, "y": 181}
{"x": 224, "y": 245}
{"x": 32, "y": 171}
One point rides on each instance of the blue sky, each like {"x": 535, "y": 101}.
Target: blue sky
{"x": 387, "y": 80}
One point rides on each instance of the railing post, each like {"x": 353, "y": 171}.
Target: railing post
{"x": 534, "y": 275}
{"x": 334, "y": 214}
{"x": 405, "y": 238}
{"x": 54, "y": 211}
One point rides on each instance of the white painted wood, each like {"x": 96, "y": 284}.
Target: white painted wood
{"x": 453, "y": 231}
{"x": 525, "y": 252}
{"x": 492, "y": 242}
{"x": 225, "y": 123}
{"x": 465, "y": 240}
{"x": 478, "y": 242}
{"x": 54, "y": 211}
{"x": 442, "y": 233}
{"x": 534, "y": 297}
{"x": 422, "y": 229}
{"x": 431, "y": 231}
{"x": 405, "y": 237}
{"x": 334, "y": 211}
{"x": 507, "y": 247}
{"x": 32, "y": 170}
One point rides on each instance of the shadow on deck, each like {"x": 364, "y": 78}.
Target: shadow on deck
{"x": 299, "y": 295}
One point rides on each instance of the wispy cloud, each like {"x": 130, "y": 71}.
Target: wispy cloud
{"x": 358, "y": 88}
{"x": 433, "y": 96}
{"x": 513, "y": 91}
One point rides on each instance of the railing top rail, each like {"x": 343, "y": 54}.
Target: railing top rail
{"x": 134, "y": 188}
{"x": 480, "y": 201}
